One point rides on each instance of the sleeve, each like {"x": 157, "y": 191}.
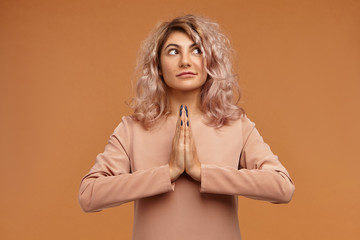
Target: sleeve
{"x": 110, "y": 181}
{"x": 260, "y": 175}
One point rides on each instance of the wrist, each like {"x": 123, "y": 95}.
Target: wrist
{"x": 195, "y": 173}
{"x": 174, "y": 174}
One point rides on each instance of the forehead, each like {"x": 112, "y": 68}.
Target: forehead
{"x": 179, "y": 38}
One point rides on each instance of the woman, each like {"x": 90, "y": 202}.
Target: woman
{"x": 188, "y": 150}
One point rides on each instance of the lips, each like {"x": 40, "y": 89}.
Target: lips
{"x": 186, "y": 74}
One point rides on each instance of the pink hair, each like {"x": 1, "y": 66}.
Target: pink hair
{"x": 217, "y": 94}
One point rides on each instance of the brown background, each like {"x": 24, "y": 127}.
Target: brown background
{"x": 66, "y": 69}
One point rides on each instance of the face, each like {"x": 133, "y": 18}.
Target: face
{"x": 182, "y": 63}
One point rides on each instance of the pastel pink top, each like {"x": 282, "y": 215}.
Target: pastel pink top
{"x": 134, "y": 167}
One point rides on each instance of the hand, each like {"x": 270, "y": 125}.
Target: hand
{"x": 183, "y": 156}
{"x": 177, "y": 157}
{"x": 192, "y": 163}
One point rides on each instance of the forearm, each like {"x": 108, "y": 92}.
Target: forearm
{"x": 265, "y": 184}
{"x": 98, "y": 191}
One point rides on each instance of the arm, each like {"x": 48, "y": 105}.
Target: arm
{"x": 261, "y": 176}
{"x": 110, "y": 181}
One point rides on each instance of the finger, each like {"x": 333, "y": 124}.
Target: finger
{"x": 182, "y": 128}
{"x": 191, "y": 138}
{"x": 182, "y": 125}
{"x": 187, "y": 124}
{"x": 190, "y": 143}
{"x": 187, "y": 118}
{"x": 179, "y": 124}
{"x": 188, "y": 138}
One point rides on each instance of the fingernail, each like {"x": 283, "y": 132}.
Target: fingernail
{"x": 186, "y": 110}
{"x": 180, "y": 112}
{"x": 181, "y": 122}
{"x": 187, "y": 123}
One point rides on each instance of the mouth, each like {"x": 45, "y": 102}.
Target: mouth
{"x": 186, "y": 74}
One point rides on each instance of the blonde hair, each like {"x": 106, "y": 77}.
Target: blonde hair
{"x": 217, "y": 93}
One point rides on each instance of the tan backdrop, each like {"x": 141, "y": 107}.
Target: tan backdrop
{"x": 66, "y": 69}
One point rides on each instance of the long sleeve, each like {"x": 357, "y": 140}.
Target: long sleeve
{"x": 260, "y": 175}
{"x": 111, "y": 182}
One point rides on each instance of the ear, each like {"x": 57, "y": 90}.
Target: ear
{"x": 160, "y": 72}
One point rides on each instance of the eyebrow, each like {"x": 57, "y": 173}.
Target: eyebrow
{"x": 178, "y": 46}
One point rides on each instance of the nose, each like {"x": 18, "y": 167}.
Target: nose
{"x": 185, "y": 60}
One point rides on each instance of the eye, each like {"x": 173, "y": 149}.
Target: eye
{"x": 197, "y": 51}
{"x": 173, "y": 52}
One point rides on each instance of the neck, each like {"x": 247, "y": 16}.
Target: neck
{"x": 191, "y": 99}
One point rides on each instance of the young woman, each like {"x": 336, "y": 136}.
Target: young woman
{"x": 188, "y": 150}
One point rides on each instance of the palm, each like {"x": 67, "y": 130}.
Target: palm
{"x": 183, "y": 155}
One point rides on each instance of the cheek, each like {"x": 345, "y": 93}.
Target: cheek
{"x": 199, "y": 62}
{"x": 166, "y": 73}
{"x": 165, "y": 67}
{"x": 200, "y": 65}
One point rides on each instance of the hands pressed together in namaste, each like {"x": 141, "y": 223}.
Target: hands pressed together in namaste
{"x": 183, "y": 156}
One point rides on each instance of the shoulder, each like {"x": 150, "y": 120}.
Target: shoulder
{"x": 128, "y": 126}
{"x": 242, "y": 125}
{"x": 247, "y": 126}
{"x": 242, "y": 122}
{"x": 123, "y": 128}
{"x": 246, "y": 123}
{"x": 128, "y": 122}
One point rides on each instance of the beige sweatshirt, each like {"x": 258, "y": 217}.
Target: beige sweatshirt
{"x": 134, "y": 167}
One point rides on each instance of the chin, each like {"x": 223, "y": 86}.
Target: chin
{"x": 186, "y": 88}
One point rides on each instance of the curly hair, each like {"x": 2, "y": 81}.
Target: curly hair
{"x": 218, "y": 101}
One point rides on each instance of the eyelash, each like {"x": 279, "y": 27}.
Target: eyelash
{"x": 198, "y": 50}
{"x": 171, "y": 50}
